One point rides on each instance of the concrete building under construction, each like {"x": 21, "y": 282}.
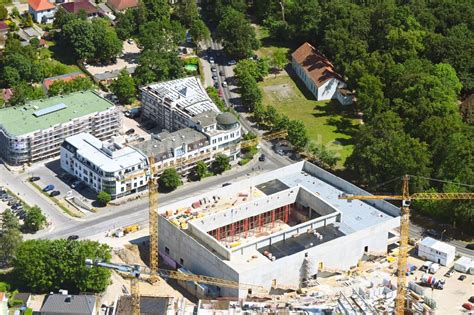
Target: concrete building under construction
{"x": 279, "y": 227}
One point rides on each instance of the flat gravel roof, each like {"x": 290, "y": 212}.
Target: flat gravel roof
{"x": 20, "y": 120}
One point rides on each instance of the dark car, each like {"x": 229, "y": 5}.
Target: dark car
{"x": 55, "y": 193}
{"x": 262, "y": 158}
{"x": 226, "y": 184}
{"x": 221, "y": 73}
{"x": 48, "y": 188}
{"x": 130, "y": 131}
{"x": 77, "y": 184}
{"x": 72, "y": 237}
{"x": 432, "y": 233}
{"x": 34, "y": 178}
{"x": 462, "y": 277}
{"x": 471, "y": 299}
{"x": 470, "y": 246}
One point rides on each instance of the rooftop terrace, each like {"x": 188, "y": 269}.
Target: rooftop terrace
{"x": 21, "y": 120}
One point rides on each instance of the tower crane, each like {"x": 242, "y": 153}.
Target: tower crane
{"x": 135, "y": 271}
{"x": 406, "y": 199}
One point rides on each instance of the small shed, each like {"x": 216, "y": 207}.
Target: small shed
{"x": 436, "y": 251}
{"x": 464, "y": 264}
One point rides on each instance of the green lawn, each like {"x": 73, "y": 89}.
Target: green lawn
{"x": 328, "y": 123}
{"x": 268, "y": 46}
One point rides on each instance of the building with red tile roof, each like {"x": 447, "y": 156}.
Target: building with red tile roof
{"x": 81, "y": 5}
{"x": 121, "y": 5}
{"x": 318, "y": 74}
{"x": 65, "y": 77}
{"x": 42, "y": 11}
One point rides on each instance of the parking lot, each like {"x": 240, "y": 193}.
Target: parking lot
{"x": 139, "y": 133}
{"x": 50, "y": 173}
{"x": 455, "y": 292}
{"x": 8, "y": 201}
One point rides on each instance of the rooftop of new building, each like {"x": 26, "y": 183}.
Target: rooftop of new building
{"x": 108, "y": 156}
{"x": 437, "y": 245}
{"x": 69, "y": 304}
{"x": 46, "y": 113}
{"x": 162, "y": 145}
{"x": 186, "y": 94}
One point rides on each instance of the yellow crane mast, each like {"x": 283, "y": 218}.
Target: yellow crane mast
{"x": 153, "y": 220}
{"x": 406, "y": 199}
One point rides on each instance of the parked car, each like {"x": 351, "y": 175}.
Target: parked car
{"x": 462, "y": 277}
{"x": 141, "y": 139}
{"x": 226, "y": 184}
{"x": 72, "y": 237}
{"x": 55, "y": 193}
{"x": 468, "y": 306}
{"x": 221, "y": 73}
{"x": 449, "y": 273}
{"x": 214, "y": 77}
{"x": 262, "y": 158}
{"x": 432, "y": 233}
{"x": 213, "y": 69}
{"x": 77, "y": 184}
{"x": 231, "y": 62}
{"x": 216, "y": 84}
{"x": 224, "y": 83}
{"x": 34, "y": 178}
{"x": 48, "y": 188}
{"x": 211, "y": 60}
{"x": 471, "y": 299}
{"x": 130, "y": 131}
{"x": 470, "y": 246}
{"x": 12, "y": 201}
{"x": 132, "y": 113}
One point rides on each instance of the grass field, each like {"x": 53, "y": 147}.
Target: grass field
{"x": 328, "y": 123}
{"x": 268, "y": 47}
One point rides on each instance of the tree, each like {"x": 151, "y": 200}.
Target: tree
{"x": 187, "y": 12}
{"x": 34, "y": 220}
{"x": 250, "y": 91}
{"x": 104, "y": 197}
{"x": 322, "y": 155}
{"x": 62, "y": 17}
{"x": 221, "y": 163}
{"x": 107, "y": 43}
{"x": 383, "y": 151}
{"x": 124, "y": 87}
{"x": 10, "y": 237}
{"x": 237, "y": 35}
{"x": 201, "y": 169}
{"x": 125, "y": 25}
{"x": 199, "y": 31}
{"x": 65, "y": 87}
{"x": 15, "y": 13}
{"x": 279, "y": 60}
{"x": 3, "y": 12}
{"x": 370, "y": 97}
{"x": 272, "y": 116}
{"x": 80, "y": 36}
{"x": 169, "y": 180}
{"x": 155, "y": 66}
{"x": 47, "y": 265}
{"x": 297, "y": 134}
{"x": 157, "y": 10}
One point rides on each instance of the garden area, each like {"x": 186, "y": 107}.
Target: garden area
{"x": 327, "y": 123}
{"x": 268, "y": 46}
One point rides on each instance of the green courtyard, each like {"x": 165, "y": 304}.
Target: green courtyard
{"x": 328, "y": 123}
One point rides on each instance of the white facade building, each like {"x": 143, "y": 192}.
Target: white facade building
{"x": 105, "y": 166}
{"x": 436, "y": 251}
{"x": 184, "y": 103}
{"x": 464, "y": 264}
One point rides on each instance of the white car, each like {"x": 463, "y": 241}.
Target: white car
{"x": 211, "y": 60}
{"x": 224, "y": 83}
{"x": 231, "y": 62}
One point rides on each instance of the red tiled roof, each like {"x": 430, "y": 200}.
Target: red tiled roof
{"x": 66, "y": 78}
{"x": 77, "y": 6}
{"x": 120, "y": 5}
{"x": 40, "y": 5}
{"x": 318, "y": 67}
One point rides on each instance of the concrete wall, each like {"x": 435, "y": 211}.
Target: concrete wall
{"x": 341, "y": 253}
{"x": 443, "y": 258}
{"x": 328, "y": 89}
{"x": 340, "y": 183}
{"x": 196, "y": 257}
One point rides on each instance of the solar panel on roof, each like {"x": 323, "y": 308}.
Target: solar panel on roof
{"x": 49, "y": 110}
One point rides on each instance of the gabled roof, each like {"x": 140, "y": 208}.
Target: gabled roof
{"x": 120, "y": 5}
{"x": 77, "y": 6}
{"x": 40, "y": 5}
{"x": 65, "y": 77}
{"x": 69, "y": 304}
{"x": 318, "y": 67}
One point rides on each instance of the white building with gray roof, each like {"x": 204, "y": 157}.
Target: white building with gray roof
{"x": 63, "y": 304}
{"x": 282, "y": 226}
{"x": 105, "y": 166}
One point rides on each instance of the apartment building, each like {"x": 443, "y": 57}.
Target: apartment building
{"x": 184, "y": 103}
{"x": 105, "y": 166}
{"x": 35, "y": 131}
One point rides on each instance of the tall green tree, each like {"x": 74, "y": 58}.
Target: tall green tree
{"x": 201, "y": 169}
{"x": 297, "y": 134}
{"x": 221, "y": 163}
{"x": 34, "y": 220}
{"x": 155, "y": 66}
{"x": 237, "y": 35}
{"x": 187, "y": 12}
{"x": 107, "y": 43}
{"x": 124, "y": 87}
{"x": 169, "y": 180}
{"x": 10, "y": 237}
{"x": 370, "y": 97}
{"x": 199, "y": 31}
{"x": 3, "y": 12}
{"x": 49, "y": 265}
{"x": 157, "y": 10}
{"x": 383, "y": 151}
{"x": 104, "y": 197}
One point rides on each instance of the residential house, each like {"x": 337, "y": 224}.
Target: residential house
{"x": 121, "y": 5}
{"x": 7, "y": 94}
{"x": 42, "y": 11}
{"x": 27, "y": 34}
{"x": 25, "y": 299}
{"x": 467, "y": 109}
{"x": 65, "y": 77}
{"x": 63, "y": 304}
{"x": 3, "y": 303}
{"x": 79, "y": 6}
{"x": 319, "y": 76}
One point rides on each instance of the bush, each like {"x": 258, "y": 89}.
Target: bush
{"x": 169, "y": 180}
{"x": 104, "y": 197}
